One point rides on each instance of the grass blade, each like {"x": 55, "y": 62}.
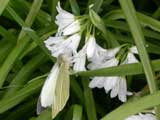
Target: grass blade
{"x": 3, "y": 4}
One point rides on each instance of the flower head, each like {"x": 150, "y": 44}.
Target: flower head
{"x": 62, "y": 45}
{"x": 67, "y": 22}
{"x": 87, "y": 51}
{"x": 116, "y": 84}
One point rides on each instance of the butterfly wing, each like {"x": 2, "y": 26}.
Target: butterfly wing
{"x": 61, "y": 95}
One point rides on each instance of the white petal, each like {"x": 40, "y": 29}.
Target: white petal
{"x": 134, "y": 50}
{"x": 115, "y": 89}
{"x": 122, "y": 94}
{"x": 48, "y": 89}
{"x": 79, "y": 61}
{"x": 111, "y": 62}
{"x": 75, "y": 42}
{"x": 112, "y": 52}
{"x": 97, "y": 82}
{"x": 131, "y": 58}
{"x": 72, "y": 28}
{"x": 99, "y": 54}
{"x": 109, "y": 83}
{"x": 91, "y": 46}
{"x": 64, "y": 18}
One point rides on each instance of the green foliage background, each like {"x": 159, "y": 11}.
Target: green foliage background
{"x": 25, "y": 62}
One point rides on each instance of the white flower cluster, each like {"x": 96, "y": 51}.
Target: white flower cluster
{"x": 68, "y": 35}
{"x": 67, "y": 42}
{"x": 117, "y": 84}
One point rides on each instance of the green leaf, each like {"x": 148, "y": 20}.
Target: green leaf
{"x": 23, "y": 41}
{"x": 139, "y": 39}
{"x": 89, "y": 100}
{"x": 97, "y": 21}
{"x": 144, "y": 19}
{"x": 29, "y": 89}
{"x": 77, "y": 112}
{"x": 3, "y": 4}
{"x": 133, "y": 107}
{"x": 25, "y": 72}
{"x": 39, "y": 41}
{"x": 122, "y": 70}
{"x": 75, "y": 7}
{"x": 97, "y": 5}
{"x": 45, "y": 115}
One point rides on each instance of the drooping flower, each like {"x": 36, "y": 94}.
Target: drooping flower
{"x": 67, "y": 22}
{"x": 86, "y": 52}
{"x": 140, "y": 116}
{"x": 116, "y": 84}
{"x": 63, "y": 45}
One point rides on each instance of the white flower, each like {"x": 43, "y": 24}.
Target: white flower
{"x": 67, "y": 23}
{"x": 99, "y": 81}
{"x": 116, "y": 84}
{"x": 72, "y": 28}
{"x": 60, "y": 45}
{"x": 142, "y": 117}
{"x": 87, "y": 51}
{"x": 46, "y": 96}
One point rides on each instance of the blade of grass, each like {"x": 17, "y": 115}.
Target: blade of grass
{"x": 122, "y": 70}
{"x": 43, "y": 17}
{"x": 123, "y": 26}
{"x": 130, "y": 14}
{"x": 75, "y": 7}
{"x": 39, "y": 42}
{"x": 137, "y": 33}
{"x": 4, "y": 50}
{"x": 53, "y": 9}
{"x": 30, "y": 88}
{"x": 7, "y": 35}
{"x": 144, "y": 19}
{"x": 126, "y": 110}
{"x": 77, "y": 90}
{"x": 77, "y": 112}
{"x": 8, "y": 63}
{"x": 45, "y": 115}
{"x": 23, "y": 75}
{"x": 3, "y": 4}
{"x": 89, "y": 100}
{"x": 24, "y": 109}
{"x": 31, "y": 16}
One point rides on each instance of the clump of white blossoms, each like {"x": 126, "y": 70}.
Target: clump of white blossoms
{"x": 86, "y": 52}
{"x": 64, "y": 43}
{"x": 140, "y": 116}
{"x": 116, "y": 84}
{"x": 68, "y": 35}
